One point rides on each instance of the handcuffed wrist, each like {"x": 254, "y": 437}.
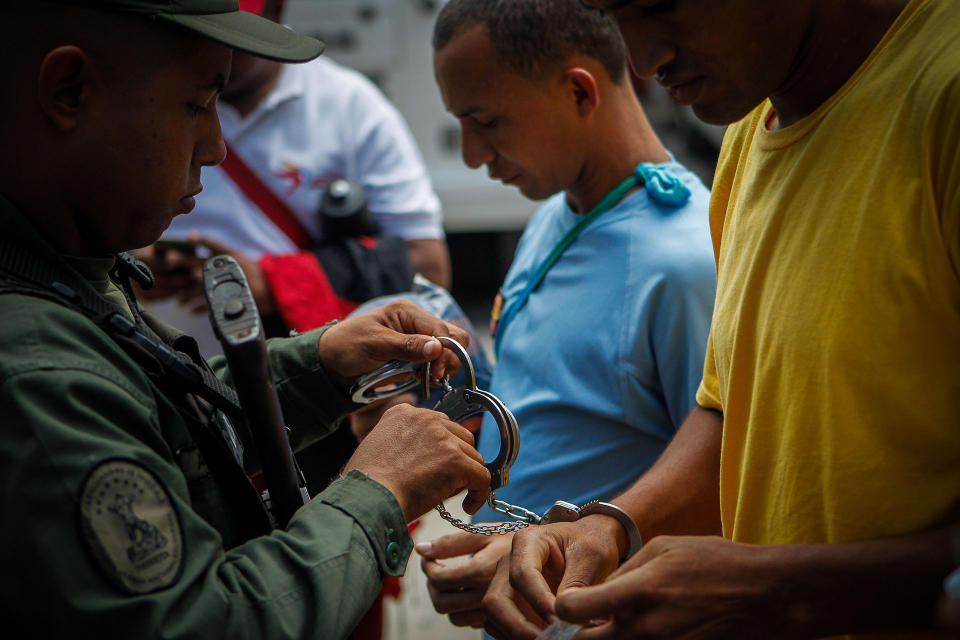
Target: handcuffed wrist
{"x": 634, "y": 539}
{"x": 563, "y": 511}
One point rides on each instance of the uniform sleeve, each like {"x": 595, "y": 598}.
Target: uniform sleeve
{"x": 99, "y": 532}
{"x": 312, "y": 404}
{"x": 390, "y": 167}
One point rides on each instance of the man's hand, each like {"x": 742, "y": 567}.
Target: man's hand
{"x": 543, "y": 559}
{"x": 422, "y": 458}
{"x": 509, "y": 617}
{"x": 398, "y": 331}
{"x": 457, "y": 589}
{"x": 179, "y": 273}
{"x": 363, "y": 420}
{"x": 684, "y": 587}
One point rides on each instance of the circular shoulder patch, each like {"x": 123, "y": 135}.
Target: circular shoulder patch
{"x": 131, "y": 526}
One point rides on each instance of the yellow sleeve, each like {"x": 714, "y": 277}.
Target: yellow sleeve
{"x": 708, "y": 394}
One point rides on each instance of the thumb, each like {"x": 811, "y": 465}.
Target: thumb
{"x": 581, "y": 570}
{"x": 452, "y": 545}
{"x": 411, "y": 348}
{"x": 582, "y": 604}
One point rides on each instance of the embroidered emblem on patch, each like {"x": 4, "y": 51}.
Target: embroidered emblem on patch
{"x": 131, "y": 526}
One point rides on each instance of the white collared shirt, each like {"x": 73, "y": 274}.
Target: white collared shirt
{"x": 321, "y": 122}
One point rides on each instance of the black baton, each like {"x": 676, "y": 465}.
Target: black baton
{"x": 236, "y": 321}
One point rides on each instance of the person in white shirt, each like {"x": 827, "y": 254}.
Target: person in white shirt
{"x": 298, "y": 128}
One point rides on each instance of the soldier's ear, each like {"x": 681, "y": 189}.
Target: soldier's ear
{"x": 62, "y": 86}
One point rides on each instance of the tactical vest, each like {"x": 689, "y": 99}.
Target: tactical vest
{"x": 170, "y": 359}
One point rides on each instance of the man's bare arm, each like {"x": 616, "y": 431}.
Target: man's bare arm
{"x": 680, "y": 494}
{"x": 431, "y": 258}
{"x": 708, "y": 587}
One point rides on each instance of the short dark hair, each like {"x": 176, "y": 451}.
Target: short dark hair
{"x": 531, "y": 37}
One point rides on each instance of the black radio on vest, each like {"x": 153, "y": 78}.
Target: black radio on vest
{"x": 344, "y": 212}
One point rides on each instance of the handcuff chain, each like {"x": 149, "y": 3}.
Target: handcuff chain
{"x": 522, "y": 518}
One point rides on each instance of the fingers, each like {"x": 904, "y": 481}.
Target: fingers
{"x": 470, "y": 573}
{"x": 579, "y": 571}
{"x": 397, "y": 331}
{"x": 603, "y": 600}
{"x": 590, "y": 554}
{"x": 606, "y": 631}
{"x": 456, "y": 578}
{"x": 478, "y": 487}
{"x": 474, "y": 618}
{"x": 452, "y": 545}
{"x": 477, "y": 490}
{"x": 531, "y": 552}
{"x": 411, "y": 348}
{"x": 363, "y": 420}
{"x": 455, "y": 601}
{"x": 507, "y": 615}
{"x": 411, "y": 319}
{"x": 423, "y": 458}
{"x": 458, "y": 589}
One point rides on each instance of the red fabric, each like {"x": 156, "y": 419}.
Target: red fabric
{"x": 371, "y": 624}
{"x": 268, "y": 202}
{"x": 253, "y": 6}
{"x": 305, "y": 299}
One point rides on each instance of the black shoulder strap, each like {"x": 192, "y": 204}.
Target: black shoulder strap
{"x": 25, "y": 272}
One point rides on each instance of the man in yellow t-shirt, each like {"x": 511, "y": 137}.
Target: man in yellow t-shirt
{"x": 826, "y": 445}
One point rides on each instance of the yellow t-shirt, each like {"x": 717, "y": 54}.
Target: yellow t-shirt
{"x": 835, "y": 347}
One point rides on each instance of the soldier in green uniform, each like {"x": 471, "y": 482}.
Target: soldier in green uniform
{"x": 124, "y": 507}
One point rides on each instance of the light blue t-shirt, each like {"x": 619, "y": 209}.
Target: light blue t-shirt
{"x": 601, "y": 365}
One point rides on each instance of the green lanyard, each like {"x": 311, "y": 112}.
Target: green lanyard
{"x": 609, "y": 202}
{"x": 662, "y": 186}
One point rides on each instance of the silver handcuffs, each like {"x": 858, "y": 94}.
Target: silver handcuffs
{"x": 460, "y": 403}
{"x": 563, "y": 511}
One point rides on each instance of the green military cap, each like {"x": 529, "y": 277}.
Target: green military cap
{"x": 223, "y": 21}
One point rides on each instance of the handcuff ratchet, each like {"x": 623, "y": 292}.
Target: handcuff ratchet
{"x": 458, "y": 403}
{"x": 377, "y": 385}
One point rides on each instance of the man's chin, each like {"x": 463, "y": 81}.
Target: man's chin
{"x": 532, "y": 193}
{"x": 720, "y": 114}
{"x": 148, "y": 238}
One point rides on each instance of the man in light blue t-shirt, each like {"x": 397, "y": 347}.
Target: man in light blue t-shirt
{"x": 600, "y": 335}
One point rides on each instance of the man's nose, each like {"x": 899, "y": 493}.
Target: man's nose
{"x": 476, "y": 151}
{"x": 211, "y": 148}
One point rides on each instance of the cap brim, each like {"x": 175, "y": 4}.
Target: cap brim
{"x": 250, "y": 33}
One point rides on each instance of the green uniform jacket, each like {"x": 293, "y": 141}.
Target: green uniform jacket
{"x": 103, "y": 534}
